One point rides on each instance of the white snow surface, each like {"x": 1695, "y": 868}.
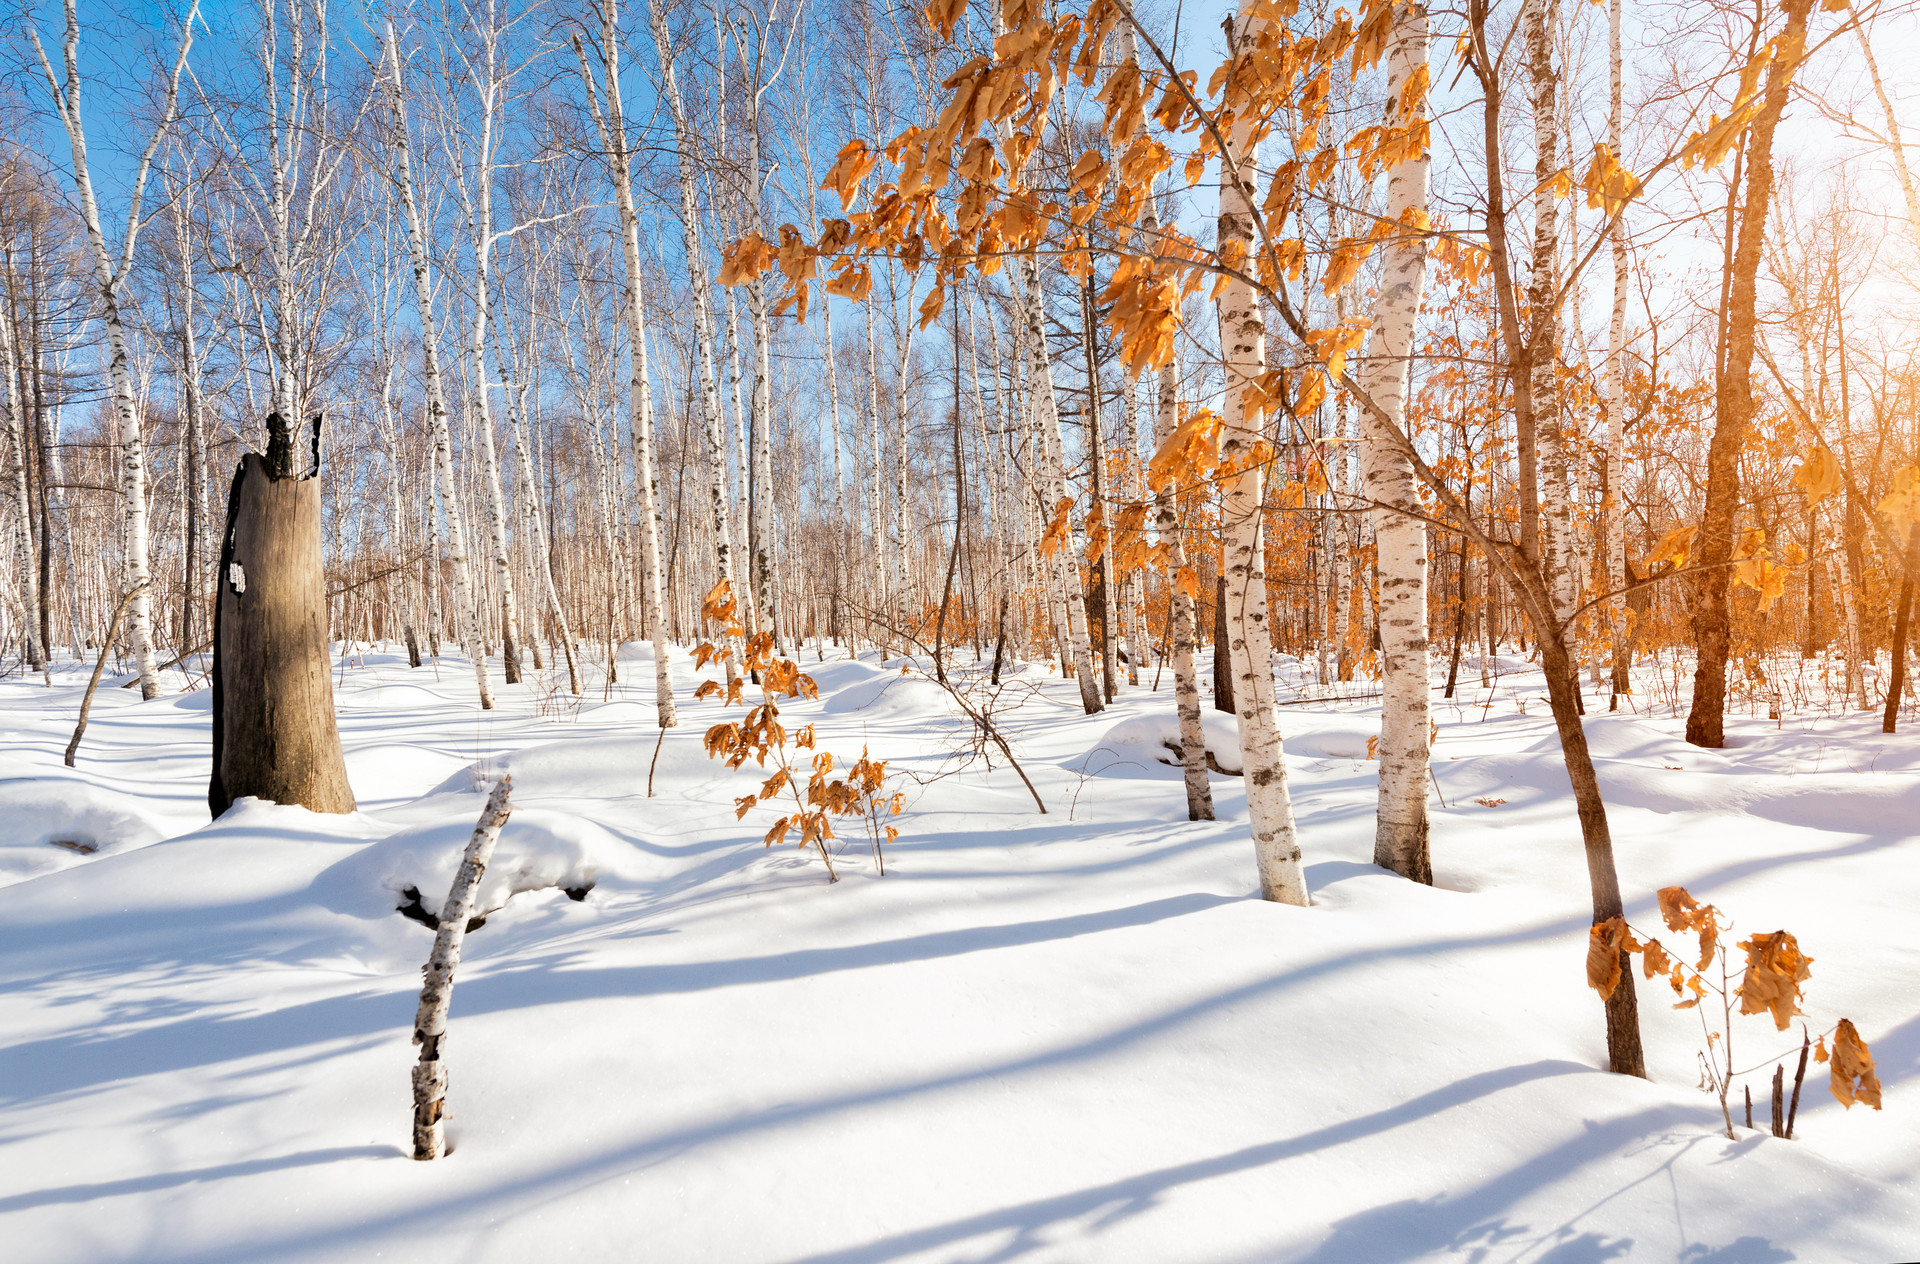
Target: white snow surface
{"x": 1069, "y": 1036}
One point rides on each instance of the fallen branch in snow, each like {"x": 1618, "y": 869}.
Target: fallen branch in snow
{"x": 430, "y": 1023}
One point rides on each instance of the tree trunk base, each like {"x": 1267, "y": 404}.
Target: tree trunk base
{"x": 274, "y": 735}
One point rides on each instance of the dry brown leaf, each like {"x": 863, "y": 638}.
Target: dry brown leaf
{"x": 1853, "y": 1077}
{"x": 1657, "y": 961}
{"x": 1604, "y": 944}
{"x": 1775, "y": 970}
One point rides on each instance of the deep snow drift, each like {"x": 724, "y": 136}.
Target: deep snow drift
{"x": 1071, "y": 1036}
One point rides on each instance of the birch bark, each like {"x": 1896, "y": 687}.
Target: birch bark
{"x": 531, "y": 484}
{"x": 1243, "y": 344}
{"x": 1614, "y": 391}
{"x": 109, "y": 275}
{"x": 1050, "y": 462}
{"x": 1540, "y": 20}
{"x": 477, "y": 204}
{"x": 1185, "y": 631}
{"x": 613, "y": 135}
{"x": 703, "y": 332}
{"x": 23, "y": 501}
{"x": 436, "y": 995}
{"x": 437, "y": 427}
{"x": 1399, "y": 527}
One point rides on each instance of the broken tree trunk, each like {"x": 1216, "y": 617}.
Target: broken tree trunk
{"x": 273, "y": 726}
{"x": 430, "y": 1021}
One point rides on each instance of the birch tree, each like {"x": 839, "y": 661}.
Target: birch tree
{"x": 1399, "y": 523}
{"x": 613, "y": 139}
{"x": 1613, "y": 511}
{"x": 401, "y": 147}
{"x": 1243, "y": 345}
{"x": 110, "y": 273}
{"x": 703, "y": 332}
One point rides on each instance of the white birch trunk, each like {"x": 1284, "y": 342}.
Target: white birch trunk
{"x": 703, "y": 333}
{"x": 437, "y": 427}
{"x": 515, "y": 405}
{"x": 436, "y": 995}
{"x": 1243, "y": 343}
{"x": 762, "y": 475}
{"x": 613, "y": 135}
{"x": 1184, "y": 632}
{"x": 1614, "y": 391}
{"x": 478, "y": 205}
{"x": 1400, "y": 532}
{"x": 36, "y": 654}
{"x": 1050, "y": 457}
{"x": 1540, "y": 21}
{"x": 878, "y": 601}
{"x": 136, "y": 569}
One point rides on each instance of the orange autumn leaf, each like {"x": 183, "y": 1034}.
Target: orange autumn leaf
{"x": 1609, "y": 185}
{"x": 743, "y": 264}
{"x": 1673, "y": 547}
{"x": 1818, "y": 476}
{"x": 1775, "y": 970}
{"x": 849, "y": 168}
{"x": 1677, "y": 907}
{"x": 1682, "y": 912}
{"x": 1057, "y": 530}
{"x": 1852, "y": 1069}
{"x": 1656, "y": 961}
{"x": 1901, "y": 506}
{"x": 1605, "y": 942}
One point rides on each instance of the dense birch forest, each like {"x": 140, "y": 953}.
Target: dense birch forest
{"x": 1224, "y": 361}
{"x": 487, "y": 245}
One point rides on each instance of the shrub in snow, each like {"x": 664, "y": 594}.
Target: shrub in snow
{"x": 760, "y": 736}
{"x": 1769, "y": 984}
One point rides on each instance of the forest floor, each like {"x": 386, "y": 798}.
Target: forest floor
{"x": 1070, "y": 1036}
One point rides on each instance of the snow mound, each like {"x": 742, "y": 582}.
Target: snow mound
{"x": 538, "y": 849}
{"x": 835, "y": 675}
{"x": 603, "y": 768}
{"x": 390, "y": 697}
{"x": 1144, "y": 742}
{"x": 394, "y": 771}
{"x": 623, "y": 712}
{"x": 1328, "y": 739}
{"x": 53, "y": 823}
{"x": 892, "y": 698}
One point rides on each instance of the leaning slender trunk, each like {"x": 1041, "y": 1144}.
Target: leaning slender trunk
{"x": 436, "y": 995}
{"x": 1624, "y": 1054}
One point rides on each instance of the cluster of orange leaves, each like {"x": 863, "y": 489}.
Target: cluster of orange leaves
{"x": 990, "y": 125}
{"x": 759, "y": 735}
{"x": 1770, "y": 983}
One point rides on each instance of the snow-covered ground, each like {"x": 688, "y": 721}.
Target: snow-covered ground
{"x": 1070, "y": 1036}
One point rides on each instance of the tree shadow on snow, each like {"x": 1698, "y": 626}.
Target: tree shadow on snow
{"x": 192, "y": 1176}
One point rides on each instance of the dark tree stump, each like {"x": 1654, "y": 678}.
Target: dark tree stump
{"x": 273, "y": 725}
